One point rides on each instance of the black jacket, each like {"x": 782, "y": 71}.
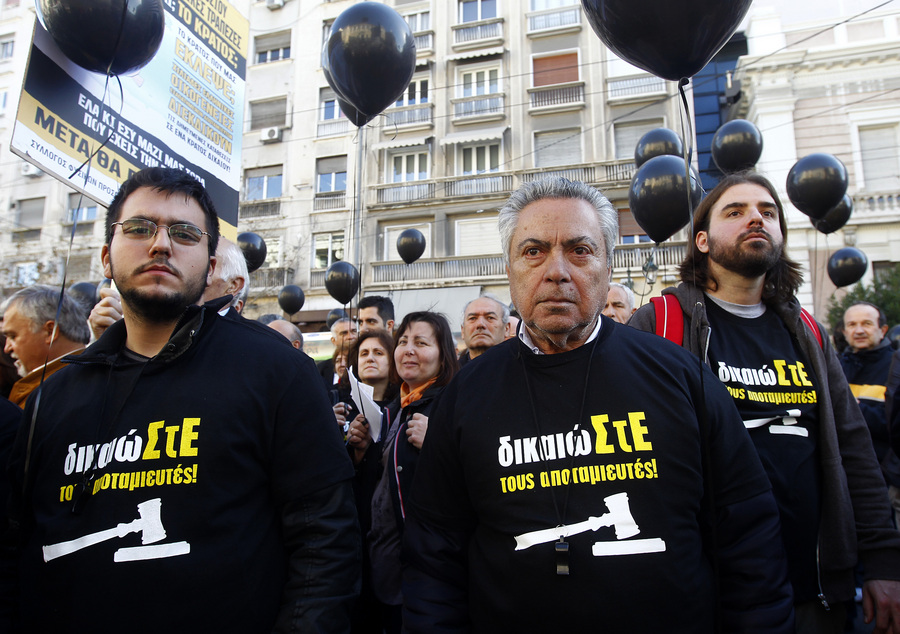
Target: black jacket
{"x": 228, "y": 434}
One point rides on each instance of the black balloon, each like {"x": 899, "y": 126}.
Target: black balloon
{"x": 411, "y": 245}
{"x": 836, "y": 217}
{"x": 254, "y": 249}
{"x": 333, "y": 315}
{"x": 658, "y": 196}
{"x": 342, "y": 281}
{"x": 370, "y": 56}
{"x": 737, "y": 146}
{"x": 847, "y": 266}
{"x": 291, "y": 299}
{"x": 84, "y": 293}
{"x": 816, "y": 183}
{"x": 353, "y": 115}
{"x": 105, "y": 36}
{"x": 669, "y": 38}
{"x": 657, "y": 142}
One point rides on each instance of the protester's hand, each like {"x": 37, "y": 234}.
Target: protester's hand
{"x": 106, "y": 312}
{"x": 881, "y": 601}
{"x": 359, "y": 436}
{"x": 416, "y": 429}
{"x": 340, "y": 413}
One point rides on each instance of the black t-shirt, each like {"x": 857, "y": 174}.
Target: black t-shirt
{"x": 774, "y": 388}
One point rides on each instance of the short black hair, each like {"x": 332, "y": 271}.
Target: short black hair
{"x": 168, "y": 181}
{"x": 383, "y": 305}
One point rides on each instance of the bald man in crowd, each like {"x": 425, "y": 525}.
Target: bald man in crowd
{"x": 289, "y": 331}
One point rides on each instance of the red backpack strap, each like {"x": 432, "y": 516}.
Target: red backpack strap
{"x": 811, "y": 324}
{"x": 669, "y": 318}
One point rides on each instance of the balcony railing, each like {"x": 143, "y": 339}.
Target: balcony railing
{"x": 633, "y": 256}
{"x": 554, "y": 19}
{"x": 635, "y": 86}
{"x": 260, "y": 209}
{"x": 408, "y": 115}
{"x": 557, "y": 95}
{"x": 615, "y": 172}
{"x": 424, "y": 41}
{"x": 876, "y": 203}
{"x": 332, "y": 127}
{"x": 269, "y": 278}
{"x": 485, "y": 30}
{"x": 317, "y": 278}
{"x": 478, "y": 106}
{"x": 327, "y": 202}
{"x": 405, "y": 192}
{"x": 477, "y": 185}
{"x": 619, "y": 171}
{"x": 26, "y": 235}
{"x": 441, "y": 269}
{"x": 584, "y": 174}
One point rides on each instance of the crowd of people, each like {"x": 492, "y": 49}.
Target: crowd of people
{"x": 180, "y": 467}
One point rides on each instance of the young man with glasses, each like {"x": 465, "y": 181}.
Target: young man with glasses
{"x": 185, "y": 471}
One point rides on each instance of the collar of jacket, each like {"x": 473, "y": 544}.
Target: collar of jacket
{"x": 111, "y": 343}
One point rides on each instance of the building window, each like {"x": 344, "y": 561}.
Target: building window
{"x": 6, "y": 48}
{"x": 31, "y": 213}
{"x": 80, "y": 208}
{"x": 559, "y": 147}
{"x": 483, "y": 81}
{"x": 416, "y": 92}
{"x": 26, "y": 274}
{"x": 479, "y": 159}
{"x": 878, "y": 146}
{"x": 627, "y": 136}
{"x": 477, "y": 236}
{"x": 391, "y": 233}
{"x": 329, "y": 108}
{"x": 540, "y": 5}
{"x": 328, "y": 248}
{"x": 326, "y": 31}
{"x": 555, "y": 69}
{"x": 331, "y": 174}
{"x": 409, "y": 167}
{"x": 418, "y": 21}
{"x": 474, "y": 10}
{"x": 271, "y": 48}
{"x": 268, "y": 114}
{"x": 263, "y": 182}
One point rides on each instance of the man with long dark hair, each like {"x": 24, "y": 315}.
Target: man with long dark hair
{"x": 741, "y": 316}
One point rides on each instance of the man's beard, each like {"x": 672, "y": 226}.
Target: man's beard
{"x": 749, "y": 260}
{"x": 162, "y": 308}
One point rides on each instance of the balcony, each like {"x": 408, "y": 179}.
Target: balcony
{"x": 333, "y": 127}
{"x": 478, "y": 108}
{"x": 477, "y": 34}
{"x": 26, "y": 235}
{"x": 478, "y": 185}
{"x": 556, "y": 98}
{"x": 424, "y": 41}
{"x": 442, "y": 270}
{"x": 554, "y": 21}
{"x": 583, "y": 173}
{"x": 635, "y": 87}
{"x": 417, "y": 115}
{"x": 404, "y": 192}
{"x": 330, "y": 201}
{"x": 263, "y": 280}
{"x": 262, "y": 209}
{"x": 631, "y": 257}
{"x": 876, "y": 204}
{"x": 605, "y": 174}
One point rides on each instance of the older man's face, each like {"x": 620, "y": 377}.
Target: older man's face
{"x": 483, "y": 326}
{"x": 26, "y": 344}
{"x": 557, "y": 271}
{"x": 617, "y": 305}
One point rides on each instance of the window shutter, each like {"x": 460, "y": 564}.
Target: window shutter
{"x": 478, "y": 236}
{"x": 880, "y": 158}
{"x": 560, "y": 147}
{"x": 555, "y": 69}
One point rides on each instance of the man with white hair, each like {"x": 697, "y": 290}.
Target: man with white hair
{"x": 483, "y": 325}
{"x": 36, "y": 339}
{"x": 619, "y": 303}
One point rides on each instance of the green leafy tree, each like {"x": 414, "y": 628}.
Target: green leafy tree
{"x": 884, "y": 292}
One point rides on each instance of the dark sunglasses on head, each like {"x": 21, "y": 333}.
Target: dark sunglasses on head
{"x": 143, "y": 229}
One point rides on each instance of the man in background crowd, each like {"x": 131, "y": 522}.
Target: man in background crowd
{"x": 483, "y": 326}
{"x": 374, "y": 312}
{"x": 34, "y": 337}
{"x": 619, "y": 303}
{"x": 289, "y": 331}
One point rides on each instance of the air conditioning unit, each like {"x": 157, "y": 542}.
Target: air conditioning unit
{"x": 32, "y": 171}
{"x": 270, "y": 135}
{"x": 273, "y": 5}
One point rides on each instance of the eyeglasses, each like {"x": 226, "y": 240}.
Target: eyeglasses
{"x": 143, "y": 229}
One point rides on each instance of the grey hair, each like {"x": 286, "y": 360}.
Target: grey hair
{"x": 558, "y": 187}
{"x": 504, "y": 309}
{"x": 337, "y": 322}
{"x": 38, "y": 305}
{"x": 629, "y": 294}
{"x": 230, "y": 265}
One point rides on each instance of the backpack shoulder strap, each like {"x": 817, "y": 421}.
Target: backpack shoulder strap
{"x": 811, "y": 324}
{"x": 669, "y": 319}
